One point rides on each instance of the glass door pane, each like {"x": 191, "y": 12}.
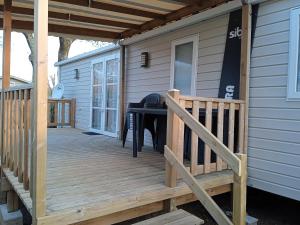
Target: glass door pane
{"x": 112, "y": 75}
{"x": 98, "y": 76}
{"x": 183, "y": 66}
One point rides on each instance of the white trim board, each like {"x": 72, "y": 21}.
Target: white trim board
{"x": 294, "y": 54}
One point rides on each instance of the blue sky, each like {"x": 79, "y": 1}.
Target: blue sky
{"x": 20, "y": 65}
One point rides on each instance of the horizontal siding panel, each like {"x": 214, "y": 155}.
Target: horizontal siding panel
{"x": 274, "y": 6}
{"x": 277, "y": 135}
{"x": 275, "y": 167}
{"x": 272, "y": 81}
{"x": 279, "y": 157}
{"x": 274, "y": 188}
{"x": 275, "y": 124}
{"x": 281, "y": 37}
{"x": 272, "y": 70}
{"x": 272, "y": 28}
{"x": 270, "y": 49}
{"x": 280, "y": 102}
{"x": 274, "y": 92}
{"x": 275, "y": 113}
{"x": 276, "y": 59}
{"x": 290, "y": 182}
{"x": 273, "y": 145}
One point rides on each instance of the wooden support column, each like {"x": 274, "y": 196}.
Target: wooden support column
{"x": 7, "y": 21}
{"x": 40, "y": 109}
{"x": 7, "y": 27}
{"x": 245, "y": 65}
{"x": 172, "y": 135}
{"x": 240, "y": 193}
{"x": 122, "y": 109}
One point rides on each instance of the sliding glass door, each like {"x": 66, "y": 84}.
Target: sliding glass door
{"x": 105, "y": 92}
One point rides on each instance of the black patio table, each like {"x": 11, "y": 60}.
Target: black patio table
{"x": 137, "y": 114}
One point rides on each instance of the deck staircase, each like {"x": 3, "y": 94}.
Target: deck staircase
{"x": 177, "y": 217}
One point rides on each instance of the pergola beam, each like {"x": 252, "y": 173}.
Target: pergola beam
{"x": 176, "y": 15}
{"x": 75, "y": 18}
{"x": 68, "y": 30}
{"x": 112, "y": 8}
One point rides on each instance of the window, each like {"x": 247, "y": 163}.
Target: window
{"x": 293, "y": 90}
{"x": 184, "y": 64}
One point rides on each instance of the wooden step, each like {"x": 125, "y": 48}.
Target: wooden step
{"x": 178, "y": 217}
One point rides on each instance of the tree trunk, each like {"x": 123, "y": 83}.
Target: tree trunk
{"x": 63, "y": 52}
{"x": 64, "y": 48}
{"x": 30, "y": 41}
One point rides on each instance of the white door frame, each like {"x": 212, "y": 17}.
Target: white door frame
{"x": 195, "y": 39}
{"x": 104, "y": 59}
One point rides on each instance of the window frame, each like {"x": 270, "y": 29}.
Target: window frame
{"x": 294, "y": 55}
{"x": 192, "y": 38}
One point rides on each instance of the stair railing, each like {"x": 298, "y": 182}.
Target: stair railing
{"x": 178, "y": 117}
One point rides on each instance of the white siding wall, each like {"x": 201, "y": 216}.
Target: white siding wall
{"x": 156, "y": 78}
{"x": 274, "y": 122}
{"x": 80, "y": 89}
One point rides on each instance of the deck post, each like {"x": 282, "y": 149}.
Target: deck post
{"x": 172, "y": 135}
{"x": 240, "y": 193}
{"x": 39, "y": 146}
{"x": 245, "y": 66}
{"x": 7, "y": 27}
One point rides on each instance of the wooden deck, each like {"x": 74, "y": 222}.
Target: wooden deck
{"x": 93, "y": 176}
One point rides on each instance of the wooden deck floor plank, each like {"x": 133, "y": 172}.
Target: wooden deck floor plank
{"x": 90, "y": 176}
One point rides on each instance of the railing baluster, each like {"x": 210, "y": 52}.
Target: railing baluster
{"x": 231, "y": 127}
{"x": 26, "y": 138}
{"x": 55, "y": 114}
{"x": 220, "y": 132}
{"x": 21, "y": 137}
{"x": 32, "y": 117}
{"x": 11, "y": 155}
{"x": 194, "y": 140}
{"x": 180, "y": 137}
{"x": 207, "y": 151}
{"x": 241, "y": 128}
{"x": 4, "y": 129}
{"x": 63, "y": 105}
{"x": 16, "y": 132}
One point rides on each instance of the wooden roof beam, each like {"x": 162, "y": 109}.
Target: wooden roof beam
{"x": 75, "y": 18}
{"x": 112, "y": 8}
{"x": 176, "y": 15}
{"x": 69, "y": 30}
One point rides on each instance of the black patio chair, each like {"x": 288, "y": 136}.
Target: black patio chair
{"x": 146, "y": 121}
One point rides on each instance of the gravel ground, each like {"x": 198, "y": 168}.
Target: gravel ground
{"x": 268, "y": 208}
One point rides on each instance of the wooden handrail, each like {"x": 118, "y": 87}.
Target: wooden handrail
{"x": 202, "y": 132}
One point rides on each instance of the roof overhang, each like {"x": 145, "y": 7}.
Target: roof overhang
{"x": 106, "y": 20}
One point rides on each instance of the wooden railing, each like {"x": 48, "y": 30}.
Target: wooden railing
{"x": 17, "y": 154}
{"x": 17, "y": 135}
{"x": 61, "y": 112}
{"x": 223, "y": 117}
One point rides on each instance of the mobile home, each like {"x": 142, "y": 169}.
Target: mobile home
{"x": 234, "y": 63}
